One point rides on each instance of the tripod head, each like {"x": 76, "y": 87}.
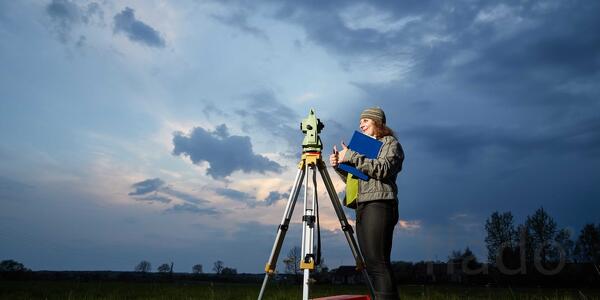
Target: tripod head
{"x": 311, "y": 127}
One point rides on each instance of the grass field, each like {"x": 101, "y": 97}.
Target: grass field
{"x": 15, "y": 290}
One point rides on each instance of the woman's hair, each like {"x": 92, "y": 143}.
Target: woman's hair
{"x": 382, "y": 130}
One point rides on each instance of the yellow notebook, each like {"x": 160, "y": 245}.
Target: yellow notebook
{"x": 351, "y": 191}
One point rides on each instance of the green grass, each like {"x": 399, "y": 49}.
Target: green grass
{"x": 220, "y": 291}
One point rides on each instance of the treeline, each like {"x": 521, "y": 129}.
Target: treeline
{"x": 144, "y": 266}
{"x": 13, "y": 270}
{"x": 538, "y": 242}
{"x": 118, "y": 276}
{"x": 536, "y": 252}
{"x": 219, "y": 268}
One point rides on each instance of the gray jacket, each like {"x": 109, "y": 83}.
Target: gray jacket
{"x": 382, "y": 171}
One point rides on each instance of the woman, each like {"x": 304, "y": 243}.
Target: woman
{"x": 377, "y": 199}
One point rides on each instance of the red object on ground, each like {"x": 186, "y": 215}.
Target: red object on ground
{"x": 345, "y": 297}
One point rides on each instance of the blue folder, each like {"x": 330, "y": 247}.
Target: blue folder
{"x": 364, "y": 145}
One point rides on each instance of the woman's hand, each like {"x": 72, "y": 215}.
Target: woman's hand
{"x": 342, "y": 153}
{"x": 337, "y": 157}
{"x": 333, "y": 158}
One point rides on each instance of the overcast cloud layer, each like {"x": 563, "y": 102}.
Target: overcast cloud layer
{"x": 170, "y": 131}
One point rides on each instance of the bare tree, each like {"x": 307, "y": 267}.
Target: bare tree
{"x": 197, "y": 269}
{"x": 144, "y": 266}
{"x": 218, "y": 267}
{"x": 292, "y": 261}
{"x": 164, "y": 268}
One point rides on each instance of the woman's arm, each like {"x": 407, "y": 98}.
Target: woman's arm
{"x": 388, "y": 163}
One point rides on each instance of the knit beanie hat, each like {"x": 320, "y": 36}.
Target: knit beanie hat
{"x": 373, "y": 113}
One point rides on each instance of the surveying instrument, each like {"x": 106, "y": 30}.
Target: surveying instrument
{"x": 312, "y": 160}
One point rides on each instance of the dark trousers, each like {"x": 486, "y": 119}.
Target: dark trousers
{"x": 375, "y": 221}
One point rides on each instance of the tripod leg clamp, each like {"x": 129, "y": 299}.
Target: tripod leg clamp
{"x": 348, "y": 228}
{"x": 269, "y": 270}
{"x": 308, "y": 262}
{"x": 309, "y": 219}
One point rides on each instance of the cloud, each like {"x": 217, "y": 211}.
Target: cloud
{"x": 527, "y": 66}
{"x": 408, "y": 225}
{"x": 66, "y": 15}
{"x": 211, "y": 109}
{"x": 233, "y": 194}
{"x": 275, "y": 196}
{"x": 517, "y": 53}
{"x": 183, "y": 196}
{"x": 271, "y": 116}
{"x": 225, "y": 153}
{"x": 525, "y": 73}
{"x": 356, "y": 28}
{"x": 146, "y": 186}
{"x": 237, "y": 196}
{"x": 135, "y": 30}
{"x": 156, "y": 190}
{"x": 239, "y": 20}
{"x": 154, "y": 198}
{"x": 191, "y": 208}
{"x": 251, "y": 201}
{"x": 462, "y": 144}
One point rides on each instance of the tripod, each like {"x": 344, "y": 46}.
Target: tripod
{"x": 311, "y": 160}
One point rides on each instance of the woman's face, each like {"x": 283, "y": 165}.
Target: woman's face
{"x": 367, "y": 126}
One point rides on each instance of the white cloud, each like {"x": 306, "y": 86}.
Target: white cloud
{"x": 409, "y": 225}
{"x": 365, "y": 16}
{"x": 495, "y": 14}
{"x": 506, "y": 20}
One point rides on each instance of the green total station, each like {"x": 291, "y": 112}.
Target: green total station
{"x": 311, "y": 126}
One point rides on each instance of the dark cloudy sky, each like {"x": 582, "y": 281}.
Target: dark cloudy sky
{"x": 168, "y": 131}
